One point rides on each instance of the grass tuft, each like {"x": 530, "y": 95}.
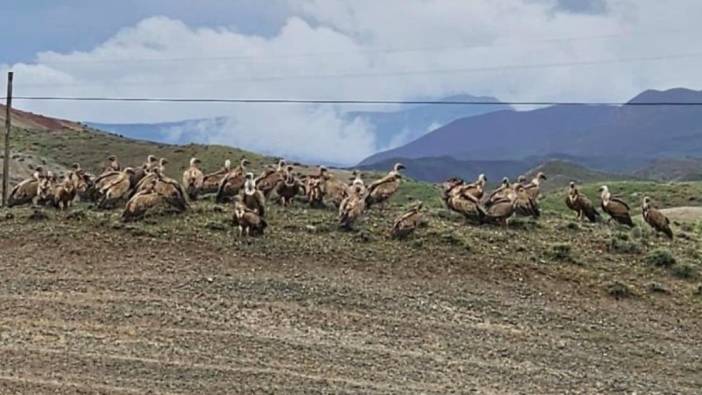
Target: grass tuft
{"x": 660, "y": 257}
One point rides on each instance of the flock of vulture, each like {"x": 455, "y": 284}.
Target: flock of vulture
{"x": 140, "y": 189}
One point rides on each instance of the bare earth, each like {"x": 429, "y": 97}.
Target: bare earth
{"x": 117, "y": 313}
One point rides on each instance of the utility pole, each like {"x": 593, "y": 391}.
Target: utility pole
{"x": 8, "y": 126}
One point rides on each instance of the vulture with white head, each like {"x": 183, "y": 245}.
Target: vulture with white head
{"x": 533, "y": 188}
{"x": 193, "y": 179}
{"x": 232, "y": 183}
{"x": 210, "y": 182}
{"x": 26, "y": 191}
{"x": 581, "y": 204}
{"x": 254, "y": 199}
{"x": 381, "y": 191}
{"x": 617, "y": 209}
{"x": 250, "y": 223}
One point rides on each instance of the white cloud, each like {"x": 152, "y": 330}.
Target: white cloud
{"x": 323, "y": 39}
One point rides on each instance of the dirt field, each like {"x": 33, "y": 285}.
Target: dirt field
{"x": 90, "y": 308}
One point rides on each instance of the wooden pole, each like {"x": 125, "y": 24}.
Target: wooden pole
{"x": 8, "y": 126}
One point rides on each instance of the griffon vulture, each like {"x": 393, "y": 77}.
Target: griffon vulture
{"x": 381, "y": 191}
{"x": 655, "y": 218}
{"x": 193, "y": 179}
{"x": 248, "y": 221}
{"x": 210, "y": 182}
{"x": 533, "y": 188}
{"x": 581, "y": 204}
{"x": 407, "y": 222}
{"x": 141, "y": 202}
{"x": 524, "y": 204}
{"x": 353, "y": 206}
{"x": 232, "y": 182}
{"x": 287, "y": 189}
{"x": 463, "y": 203}
{"x": 476, "y": 189}
{"x": 254, "y": 199}
{"x": 26, "y": 191}
{"x": 116, "y": 190}
{"x": 269, "y": 180}
{"x": 500, "y": 192}
{"x": 616, "y": 208}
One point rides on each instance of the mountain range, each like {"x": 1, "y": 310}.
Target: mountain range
{"x": 622, "y": 139}
{"x": 391, "y": 128}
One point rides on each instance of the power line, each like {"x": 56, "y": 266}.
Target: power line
{"x": 399, "y": 73}
{"x": 351, "y": 102}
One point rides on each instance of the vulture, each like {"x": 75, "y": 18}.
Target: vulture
{"x": 232, "y": 182}
{"x": 500, "y": 211}
{"x": 26, "y": 191}
{"x": 64, "y": 193}
{"x": 477, "y": 188}
{"x": 533, "y": 188}
{"x": 254, "y": 199}
{"x": 616, "y": 208}
{"x": 45, "y": 190}
{"x": 522, "y": 180}
{"x": 336, "y": 190}
{"x": 381, "y": 190}
{"x": 655, "y": 218}
{"x": 269, "y": 179}
{"x": 314, "y": 188}
{"x": 581, "y": 204}
{"x": 248, "y": 221}
{"x": 210, "y": 182}
{"x": 115, "y": 190}
{"x": 524, "y": 205}
{"x": 171, "y": 191}
{"x": 287, "y": 189}
{"x": 352, "y": 206}
{"x": 150, "y": 164}
{"x": 141, "y": 202}
{"x": 500, "y": 192}
{"x": 112, "y": 164}
{"x": 463, "y": 203}
{"x": 193, "y": 179}
{"x": 407, "y": 223}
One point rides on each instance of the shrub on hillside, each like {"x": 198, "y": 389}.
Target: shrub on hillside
{"x": 660, "y": 257}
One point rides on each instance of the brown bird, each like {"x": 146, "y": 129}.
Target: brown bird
{"x": 353, "y": 206}
{"x": 407, "y": 223}
{"x": 232, "y": 182}
{"x": 477, "y": 188}
{"x": 64, "y": 193}
{"x": 581, "y": 204}
{"x": 463, "y": 203}
{"x": 248, "y": 221}
{"x": 112, "y": 164}
{"x": 381, "y": 191}
{"x": 269, "y": 179}
{"x": 534, "y": 187}
{"x": 254, "y": 199}
{"x": 210, "y": 182}
{"x": 314, "y": 187}
{"x": 524, "y": 205}
{"x": 289, "y": 188}
{"x": 655, "y": 218}
{"x": 335, "y": 190}
{"x": 26, "y": 191}
{"x": 500, "y": 211}
{"x": 193, "y": 179}
{"x": 141, "y": 202}
{"x": 116, "y": 190}
{"x": 171, "y": 191}
{"x": 616, "y": 208}
{"x": 500, "y": 192}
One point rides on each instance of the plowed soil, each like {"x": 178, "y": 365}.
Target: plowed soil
{"x": 87, "y": 310}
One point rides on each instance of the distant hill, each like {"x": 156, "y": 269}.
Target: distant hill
{"x": 391, "y": 128}
{"x": 560, "y": 172}
{"x": 666, "y": 169}
{"x": 628, "y": 136}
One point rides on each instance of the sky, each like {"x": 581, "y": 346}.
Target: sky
{"x": 532, "y": 50}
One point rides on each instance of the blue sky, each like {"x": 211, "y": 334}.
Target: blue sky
{"x": 69, "y": 25}
{"x": 336, "y": 49}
